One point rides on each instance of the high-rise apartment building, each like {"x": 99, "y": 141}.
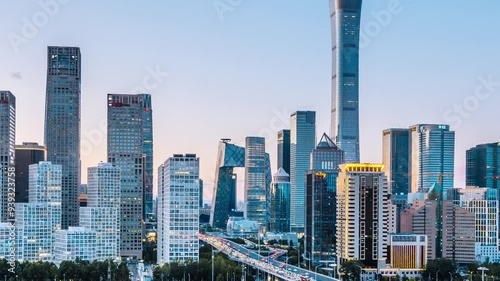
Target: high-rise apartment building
{"x": 103, "y": 208}
{"x": 130, "y": 149}
{"x": 256, "y": 185}
{"x": 26, "y": 154}
{"x": 62, "y": 123}
{"x": 7, "y": 145}
{"x": 321, "y": 191}
{"x": 395, "y": 158}
{"x": 178, "y": 209}
{"x": 280, "y": 202}
{"x": 345, "y": 16}
{"x": 362, "y": 199}
{"x": 483, "y": 165}
{"x": 432, "y": 157}
{"x": 38, "y": 220}
{"x": 302, "y": 143}
{"x": 284, "y": 150}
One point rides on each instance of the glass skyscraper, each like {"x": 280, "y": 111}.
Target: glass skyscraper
{"x": 62, "y": 124}
{"x": 256, "y": 185}
{"x": 7, "y": 147}
{"x": 321, "y": 190}
{"x": 483, "y": 165}
{"x": 345, "y": 21}
{"x": 302, "y": 143}
{"x": 395, "y": 158}
{"x": 130, "y": 149}
{"x": 26, "y": 154}
{"x": 432, "y": 157}
{"x": 280, "y": 202}
{"x": 284, "y": 150}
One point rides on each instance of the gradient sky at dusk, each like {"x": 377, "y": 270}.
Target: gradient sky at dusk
{"x": 245, "y": 72}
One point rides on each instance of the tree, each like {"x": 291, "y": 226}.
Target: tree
{"x": 350, "y": 270}
{"x": 445, "y": 267}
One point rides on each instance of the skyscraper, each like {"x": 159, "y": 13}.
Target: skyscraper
{"x": 130, "y": 149}
{"x": 256, "y": 187}
{"x": 483, "y": 165}
{"x": 345, "y": 18}
{"x": 302, "y": 143}
{"x": 432, "y": 157}
{"x": 458, "y": 234}
{"x": 62, "y": 124}
{"x": 362, "y": 199}
{"x": 420, "y": 218}
{"x": 7, "y": 144}
{"x": 178, "y": 209}
{"x": 284, "y": 150}
{"x": 321, "y": 191}
{"x": 280, "y": 202}
{"x": 395, "y": 156}
{"x": 26, "y": 154}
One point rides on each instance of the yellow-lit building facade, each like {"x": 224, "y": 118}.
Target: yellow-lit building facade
{"x": 408, "y": 251}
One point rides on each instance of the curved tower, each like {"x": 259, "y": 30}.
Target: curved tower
{"x": 345, "y": 17}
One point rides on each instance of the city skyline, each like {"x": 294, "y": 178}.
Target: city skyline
{"x": 456, "y": 88}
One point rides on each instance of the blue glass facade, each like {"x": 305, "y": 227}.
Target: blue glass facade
{"x": 280, "y": 202}
{"x": 284, "y": 150}
{"x": 345, "y": 21}
{"x": 396, "y": 159}
{"x": 302, "y": 143}
{"x": 256, "y": 186}
{"x": 62, "y": 124}
{"x": 483, "y": 165}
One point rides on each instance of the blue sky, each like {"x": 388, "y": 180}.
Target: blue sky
{"x": 242, "y": 72}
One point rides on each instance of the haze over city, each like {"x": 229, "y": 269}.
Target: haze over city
{"x": 241, "y": 72}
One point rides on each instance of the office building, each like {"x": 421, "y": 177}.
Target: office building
{"x": 26, "y": 154}
{"x": 280, "y": 202}
{"x": 392, "y": 223}
{"x": 5, "y": 247}
{"x": 395, "y": 158}
{"x": 256, "y": 185}
{"x": 130, "y": 150}
{"x": 362, "y": 200}
{"x": 284, "y": 150}
{"x": 483, "y": 165}
{"x": 408, "y": 251}
{"x": 7, "y": 149}
{"x": 458, "y": 234}
{"x": 82, "y": 198}
{"x": 201, "y": 194}
{"x": 229, "y": 156}
{"x": 421, "y": 218}
{"x": 38, "y": 220}
{"x": 302, "y": 143}
{"x": 432, "y": 157}
{"x": 345, "y": 18}
{"x": 178, "y": 209}
{"x": 62, "y": 123}
{"x": 321, "y": 190}
{"x": 75, "y": 243}
{"x": 102, "y": 212}
{"x": 401, "y": 203}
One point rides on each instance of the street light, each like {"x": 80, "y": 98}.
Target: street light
{"x": 305, "y": 257}
{"x": 437, "y": 274}
{"x": 451, "y": 276}
{"x": 483, "y": 269}
{"x": 361, "y": 271}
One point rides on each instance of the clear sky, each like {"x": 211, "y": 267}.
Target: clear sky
{"x": 240, "y": 70}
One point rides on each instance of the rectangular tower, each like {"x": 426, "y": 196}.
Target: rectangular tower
{"x": 130, "y": 150}
{"x": 362, "y": 200}
{"x": 396, "y": 159}
{"x": 255, "y": 181}
{"x": 62, "y": 123}
{"x": 345, "y": 16}
{"x": 284, "y": 150}
{"x": 483, "y": 165}
{"x": 7, "y": 149}
{"x": 26, "y": 154}
{"x": 178, "y": 209}
{"x": 302, "y": 143}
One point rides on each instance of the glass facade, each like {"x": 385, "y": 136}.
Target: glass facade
{"x": 345, "y": 21}
{"x": 284, "y": 150}
{"x": 7, "y": 145}
{"x": 178, "y": 209}
{"x": 483, "y": 165}
{"x": 74, "y": 243}
{"x": 129, "y": 149}
{"x": 432, "y": 157}
{"x": 62, "y": 124}
{"x": 321, "y": 191}
{"x": 256, "y": 187}
{"x": 302, "y": 143}
{"x": 26, "y": 155}
{"x": 395, "y": 156}
{"x": 280, "y": 202}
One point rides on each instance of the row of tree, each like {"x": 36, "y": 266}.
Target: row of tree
{"x": 68, "y": 270}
